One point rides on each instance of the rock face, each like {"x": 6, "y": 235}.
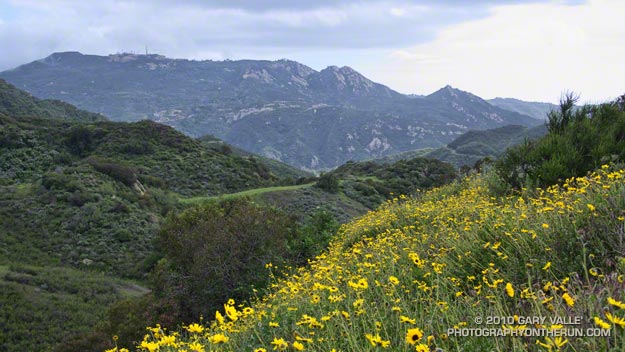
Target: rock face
{"x": 281, "y": 109}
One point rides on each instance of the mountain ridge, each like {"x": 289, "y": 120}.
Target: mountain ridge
{"x": 537, "y": 110}
{"x": 280, "y": 109}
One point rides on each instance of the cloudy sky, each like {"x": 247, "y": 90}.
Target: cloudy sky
{"x": 531, "y": 50}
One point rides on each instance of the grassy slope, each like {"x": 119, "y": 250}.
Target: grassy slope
{"x": 247, "y": 193}
{"x": 298, "y": 200}
{"x": 306, "y": 201}
{"x": 363, "y": 187}
{"x": 441, "y": 259}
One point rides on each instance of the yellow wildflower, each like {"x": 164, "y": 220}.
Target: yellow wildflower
{"x": 196, "y": 347}
{"x": 218, "y": 338}
{"x": 279, "y": 344}
{"x": 616, "y": 303}
{"x": 195, "y": 328}
{"x": 298, "y": 346}
{"x": 602, "y": 323}
{"x": 405, "y": 319}
{"x": 568, "y": 299}
{"x": 509, "y": 290}
{"x": 615, "y": 319}
{"x": 414, "y": 335}
{"x": 422, "y": 348}
{"x": 376, "y": 340}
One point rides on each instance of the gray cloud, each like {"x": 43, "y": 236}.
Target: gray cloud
{"x": 218, "y": 29}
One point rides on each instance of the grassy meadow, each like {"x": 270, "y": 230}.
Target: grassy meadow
{"x": 247, "y": 193}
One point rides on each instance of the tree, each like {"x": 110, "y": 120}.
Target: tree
{"x": 218, "y": 251}
{"x": 558, "y": 120}
{"x": 329, "y": 183}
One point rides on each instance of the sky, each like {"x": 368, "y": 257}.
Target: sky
{"x": 530, "y": 50}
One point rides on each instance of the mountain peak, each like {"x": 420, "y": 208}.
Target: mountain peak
{"x": 450, "y": 93}
{"x": 347, "y": 81}
{"x": 345, "y": 70}
{"x": 58, "y": 56}
{"x": 65, "y": 53}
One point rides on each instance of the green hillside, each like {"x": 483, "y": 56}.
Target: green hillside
{"x": 278, "y": 168}
{"x": 104, "y": 187}
{"x": 81, "y": 202}
{"x": 372, "y": 183}
{"x": 17, "y": 103}
{"x": 472, "y": 146}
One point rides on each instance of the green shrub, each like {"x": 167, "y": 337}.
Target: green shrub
{"x": 578, "y": 141}
{"x": 59, "y": 181}
{"x": 329, "y": 183}
{"x": 81, "y": 139}
{"x": 313, "y": 236}
{"x": 121, "y": 173}
{"x": 80, "y": 197}
{"x": 136, "y": 147}
{"x": 219, "y": 251}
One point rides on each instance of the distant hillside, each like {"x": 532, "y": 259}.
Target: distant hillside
{"x": 475, "y": 145}
{"x": 282, "y": 109}
{"x": 371, "y": 183}
{"x": 285, "y": 171}
{"x": 358, "y": 187}
{"x": 496, "y": 140}
{"x": 534, "y": 109}
{"x": 17, "y": 103}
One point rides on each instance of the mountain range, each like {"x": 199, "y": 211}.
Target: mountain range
{"x": 534, "y": 109}
{"x": 281, "y": 109}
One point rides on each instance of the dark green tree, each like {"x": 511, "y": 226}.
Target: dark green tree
{"x": 328, "y": 182}
{"x": 219, "y": 251}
